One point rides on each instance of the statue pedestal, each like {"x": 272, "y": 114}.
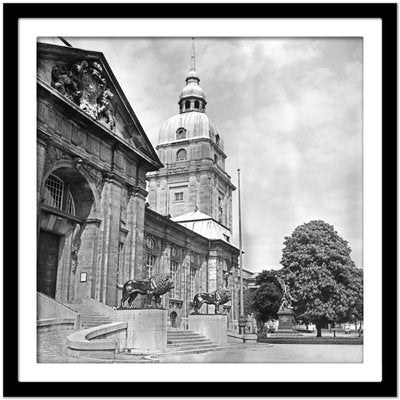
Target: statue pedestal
{"x": 286, "y": 321}
{"x": 146, "y": 332}
{"x": 213, "y": 327}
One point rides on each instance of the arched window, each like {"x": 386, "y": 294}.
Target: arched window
{"x": 181, "y": 133}
{"x": 181, "y": 155}
{"x": 187, "y": 104}
{"x": 150, "y": 242}
{"x": 70, "y": 207}
{"x": 56, "y": 194}
{"x": 197, "y": 104}
{"x": 217, "y": 139}
{"x": 216, "y": 159}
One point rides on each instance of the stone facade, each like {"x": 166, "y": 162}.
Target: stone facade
{"x": 93, "y": 158}
{"x": 91, "y": 180}
{"x": 196, "y": 263}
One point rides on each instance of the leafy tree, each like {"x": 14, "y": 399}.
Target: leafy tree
{"x": 248, "y": 297}
{"x": 328, "y": 286}
{"x": 267, "y": 298}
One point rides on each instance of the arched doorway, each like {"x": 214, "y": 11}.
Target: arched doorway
{"x": 66, "y": 202}
{"x": 173, "y": 317}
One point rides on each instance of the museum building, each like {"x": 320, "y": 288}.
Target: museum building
{"x": 110, "y": 208}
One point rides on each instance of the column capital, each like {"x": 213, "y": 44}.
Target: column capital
{"x": 137, "y": 191}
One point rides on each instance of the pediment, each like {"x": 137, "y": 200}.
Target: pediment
{"x": 85, "y": 80}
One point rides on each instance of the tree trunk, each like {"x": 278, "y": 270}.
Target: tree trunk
{"x": 318, "y": 329}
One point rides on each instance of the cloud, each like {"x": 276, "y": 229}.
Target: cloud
{"x": 290, "y": 112}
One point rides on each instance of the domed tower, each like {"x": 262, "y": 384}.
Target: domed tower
{"x": 192, "y": 150}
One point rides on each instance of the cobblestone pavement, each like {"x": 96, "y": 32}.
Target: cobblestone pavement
{"x": 52, "y": 346}
{"x": 52, "y": 349}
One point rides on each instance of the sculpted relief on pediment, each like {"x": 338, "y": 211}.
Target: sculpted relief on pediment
{"x": 85, "y": 84}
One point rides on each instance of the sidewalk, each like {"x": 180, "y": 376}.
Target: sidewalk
{"x": 52, "y": 349}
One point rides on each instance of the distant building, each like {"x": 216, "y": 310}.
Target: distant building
{"x": 94, "y": 229}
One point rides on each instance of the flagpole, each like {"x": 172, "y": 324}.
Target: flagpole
{"x": 240, "y": 250}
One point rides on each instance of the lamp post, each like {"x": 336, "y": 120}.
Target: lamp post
{"x": 242, "y": 319}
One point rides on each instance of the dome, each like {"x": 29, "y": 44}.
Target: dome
{"x": 192, "y": 89}
{"x": 196, "y": 124}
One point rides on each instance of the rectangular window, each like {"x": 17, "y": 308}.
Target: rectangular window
{"x": 192, "y": 282}
{"x": 175, "y": 277}
{"x": 121, "y": 264}
{"x": 150, "y": 262}
{"x": 179, "y": 196}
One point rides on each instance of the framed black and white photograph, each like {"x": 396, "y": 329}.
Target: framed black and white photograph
{"x": 204, "y": 196}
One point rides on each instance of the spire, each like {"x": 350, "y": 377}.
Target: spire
{"x": 192, "y": 75}
{"x": 192, "y": 97}
{"x": 193, "y": 58}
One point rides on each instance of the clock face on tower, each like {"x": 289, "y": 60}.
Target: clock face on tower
{"x": 192, "y": 258}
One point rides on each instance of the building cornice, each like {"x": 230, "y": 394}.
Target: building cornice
{"x": 188, "y": 141}
{"x": 187, "y": 168}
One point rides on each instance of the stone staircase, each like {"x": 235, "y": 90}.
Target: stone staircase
{"x": 90, "y": 317}
{"x": 188, "y": 342}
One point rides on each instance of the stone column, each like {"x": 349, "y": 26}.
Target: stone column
{"x": 65, "y": 285}
{"x": 162, "y": 200}
{"x": 107, "y": 260}
{"x": 134, "y": 246}
{"x": 41, "y": 160}
{"x": 87, "y": 256}
{"x": 164, "y": 268}
{"x": 212, "y": 278}
{"x": 186, "y": 284}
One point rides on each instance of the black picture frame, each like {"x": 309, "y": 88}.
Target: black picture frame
{"x": 13, "y": 387}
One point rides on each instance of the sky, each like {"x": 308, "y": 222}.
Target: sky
{"x": 289, "y": 111}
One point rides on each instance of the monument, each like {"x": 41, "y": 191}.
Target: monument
{"x": 147, "y": 327}
{"x": 286, "y": 316}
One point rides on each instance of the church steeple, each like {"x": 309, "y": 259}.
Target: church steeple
{"x": 192, "y": 97}
{"x": 192, "y": 72}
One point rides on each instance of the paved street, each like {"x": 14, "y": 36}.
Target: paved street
{"x": 277, "y": 353}
{"x": 52, "y": 349}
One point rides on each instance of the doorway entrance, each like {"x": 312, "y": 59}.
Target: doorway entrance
{"x": 173, "y": 316}
{"x": 47, "y": 263}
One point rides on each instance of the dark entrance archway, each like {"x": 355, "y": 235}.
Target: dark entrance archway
{"x": 66, "y": 202}
{"x": 47, "y": 263}
{"x": 173, "y": 316}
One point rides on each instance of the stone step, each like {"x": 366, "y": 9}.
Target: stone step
{"x": 192, "y": 346}
{"x": 186, "y": 333}
{"x": 182, "y": 337}
{"x": 174, "y": 352}
{"x": 189, "y": 341}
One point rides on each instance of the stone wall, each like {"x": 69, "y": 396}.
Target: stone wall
{"x": 208, "y": 260}
{"x": 99, "y": 241}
